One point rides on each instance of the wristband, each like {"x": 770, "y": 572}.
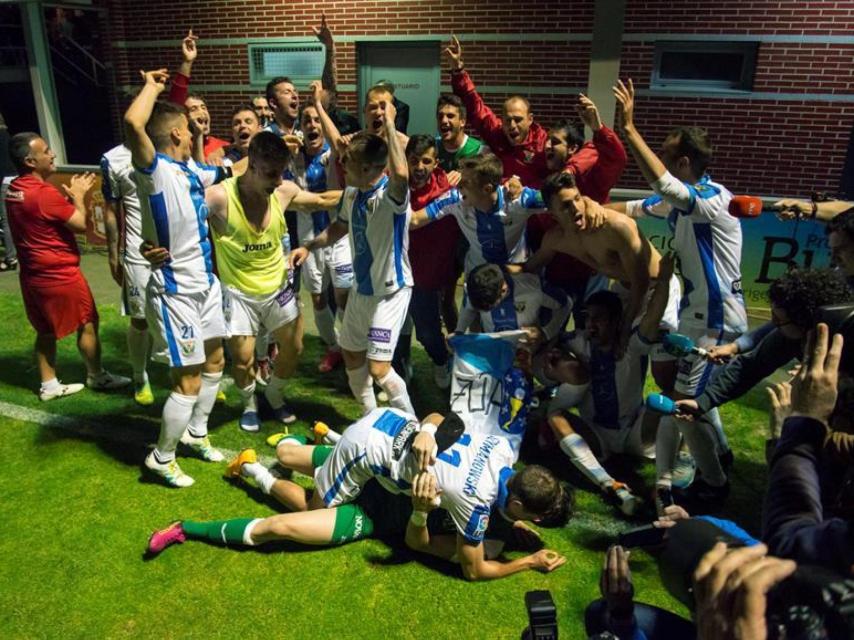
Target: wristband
{"x": 418, "y": 518}
{"x": 428, "y": 427}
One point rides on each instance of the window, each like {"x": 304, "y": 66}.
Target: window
{"x": 301, "y": 62}
{"x": 704, "y": 66}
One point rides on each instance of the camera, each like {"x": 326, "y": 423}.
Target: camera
{"x": 542, "y": 616}
{"x": 840, "y": 319}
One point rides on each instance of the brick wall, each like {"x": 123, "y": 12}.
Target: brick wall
{"x": 762, "y": 145}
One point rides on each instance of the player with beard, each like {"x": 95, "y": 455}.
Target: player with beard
{"x": 314, "y": 171}
{"x": 262, "y": 109}
{"x": 244, "y": 125}
{"x": 454, "y": 143}
{"x": 283, "y": 99}
{"x": 197, "y": 110}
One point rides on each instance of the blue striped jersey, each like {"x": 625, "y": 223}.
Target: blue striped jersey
{"x": 118, "y": 185}
{"x": 314, "y": 174}
{"x": 528, "y": 303}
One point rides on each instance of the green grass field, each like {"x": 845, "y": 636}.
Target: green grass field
{"x": 77, "y": 511}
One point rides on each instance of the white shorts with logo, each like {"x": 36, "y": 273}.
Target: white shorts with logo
{"x": 621, "y": 441}
{"x": 373, "y": 323}
{"x": 670, "y": 319}
{"x": 693, "y": 372}
{"x": 182, "y": 323}
{"x": 245, "y": 313}
{"x": 329, "y": 264}
{"x": 135, "y": 289}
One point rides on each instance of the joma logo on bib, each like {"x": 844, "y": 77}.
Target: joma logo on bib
{"x": 257, "y": 247}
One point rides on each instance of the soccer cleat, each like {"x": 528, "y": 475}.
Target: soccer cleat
{"x": 159, "y": 540}
{"x": 324, "y": 435}
{"x": 286, "y": 439}
{"x": 330, "y": 361}
{"x": 701, "y": 496}
{"x": 203, "y": 447}
{"x": 442, "y": 376}
{"x": 143, "y": 395}
{"x": 106, "y": 381}
{"x": 169, "y": 471}
{"x": 620, "y": 494}
{"x": 249, "y": 421}
{"x": 60, "y": 391}
{"x": 684, "y": 471}
{"x": 247, "y": 456}
{"x": 220, "y": 395}
{"x": 663, "y": 499}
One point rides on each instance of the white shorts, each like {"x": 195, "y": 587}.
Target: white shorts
{"x": 373, "y": 323}
{"x": 245, "y": 314}
{"x": 183, "y": 322}
{"x": 621, "y": 441}
{"x": 329, "y": 264}
{"x": 135, "y": 289}
{"x": 670, "y": 319}
{"x": 693, "y": 372}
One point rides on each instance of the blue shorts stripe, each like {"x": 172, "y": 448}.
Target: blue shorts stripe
{"x": 174, "y": 352}
{"x": 330, "y": 495}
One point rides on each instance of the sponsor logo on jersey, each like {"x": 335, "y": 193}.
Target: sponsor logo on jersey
{"x": 376, "y": 334}
{"x": 285, "y": 296}
{"x": 247, "y": 248}
{"x": 17, "y": 196}
{"x": 736, "y": 287}
{"x": 344, "y": 268}
{"x": 482, "y": 524}
{"x": 402, "y": 439}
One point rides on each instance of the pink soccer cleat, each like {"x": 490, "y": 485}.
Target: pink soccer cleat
{"x": 159, "y": 540}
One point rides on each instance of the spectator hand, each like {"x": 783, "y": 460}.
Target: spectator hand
{"x": 615, "y": 583}
{"x": 455, "y": 53}
{"x": 323, "y": 33}
{"x": 188, "y": 47}
{"x": 79, "y": 186}
{"x": 625, "y": 95}
{"x": 589, "y": 113}
{"x": 814, "y": 387}
{"x": 781, "y": 406}
{"x": 672, "y": 514}
{"x": 723, "y": 353}
{"x": 791, "y": 209}
{"x": 730, "y": 589}
{"x": 687, "y": 410}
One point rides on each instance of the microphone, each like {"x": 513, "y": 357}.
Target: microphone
{"x": 680, "y": 346}
{"x": 746, "y": 206}
{"x": 661, "y": 404}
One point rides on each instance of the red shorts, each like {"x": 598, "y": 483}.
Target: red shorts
{"x": 59, "y": 309}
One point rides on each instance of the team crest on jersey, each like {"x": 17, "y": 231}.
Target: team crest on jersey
{"x": 519, "y": 306}
{"x": 528, "y": 155}
{"x": 188, "y": 347}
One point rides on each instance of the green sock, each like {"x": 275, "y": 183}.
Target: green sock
{"x": 293, "y": 437}
{"x": 222, "y": 531}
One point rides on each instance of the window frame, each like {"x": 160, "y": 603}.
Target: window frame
{"x": 748, "y": 49}
{"x": 258, "y": 78}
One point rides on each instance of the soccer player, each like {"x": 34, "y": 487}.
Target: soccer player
{"x": 454, "y": 144}
{"x": 184, "y": 295}
{"x": 506, "y": 302}
{"x": 375, "y": 211}
{"x": 57, "y": 297}
{"x": 244, "y": 125}
{"x": 611, "y": 408}
{"x": 283, "y": 99}
{"x": 708, "y": 241}
{"x": 197, "y": 110}
{"x": 314, "y": 170}
{"x": 247, "y": 218}
{"x": 262, "y": 109}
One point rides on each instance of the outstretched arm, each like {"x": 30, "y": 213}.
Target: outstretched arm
{"x": 330, "y": 65}
{"x": 398, "y": 183}
{"x": 297, "y": 199}
{"x": 140, "y": 145}
{"x": 330, "y": 131}
{"x": 480, "y": 117}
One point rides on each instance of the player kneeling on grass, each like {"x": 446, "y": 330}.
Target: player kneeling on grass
{"x": 611, "y": 407}
{"x": 248, "y": 221}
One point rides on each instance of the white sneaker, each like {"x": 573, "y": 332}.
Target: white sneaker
{"x": 442, "y": 376}
{"x": 170, "y": 472}
{"x": 60, "y": 391}
{"x": 684, "y": 470}
{"x": 627, "y": 502}
{"x": 203, "y": 447}
{"x": 106, "y": 381}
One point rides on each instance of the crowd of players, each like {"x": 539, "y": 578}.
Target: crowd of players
{"x": 385, "y": 225}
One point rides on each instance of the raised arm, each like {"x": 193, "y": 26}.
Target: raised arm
{"x": 330, "y": 64}
{"x": 480, "y": 117}
{"x": 179, "y": 88}
{"x": 330, "y": 131}
{"x": 398, "y": 182}
{"x": 137, "y": 140}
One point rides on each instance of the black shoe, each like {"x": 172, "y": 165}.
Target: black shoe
{"x": 9, "y": 265}
{"x": 701, "y": 496}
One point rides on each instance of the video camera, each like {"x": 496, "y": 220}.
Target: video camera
{"x": 811, "y": 604}
{"x": 542, "y": 616}
{"x": 840, "y": 319}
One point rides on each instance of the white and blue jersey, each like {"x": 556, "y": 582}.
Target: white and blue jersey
{"x": 528, "y": 303}
{"x": 175, "y": 216}
{"x": 496, "y": 236}
{"x": 708, "y": 241}
{"x": 379, "y": 238}
{"x": 313, "y": 173}
{"x": 118, "y": 185}
{"x": 614, "y": 397}
{"x": 472, "y": 474}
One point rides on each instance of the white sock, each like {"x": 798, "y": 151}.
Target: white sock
{"x": 247, "y": 532}
{"x": 50, "y": 385}
{"x": 714, "y": 417}
{"x": 325, "y": 322}
{"x": 260, "y": 474}
{"x": 247, "y": 394}
{"x": 702, "y": 441}
{"x": 176, "y": 415}
{"x": 395, "y": 387}
{"x": 582, "y": 457}
{"x": 667, "y": 440}
{"x": 275, "y": 391}
{"x": 138, "y": 347}
{"x": 362, "y": 386}
{"x": 198, "y": 426}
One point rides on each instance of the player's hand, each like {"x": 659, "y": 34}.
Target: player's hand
{"x": 79, "y": 186}
{"x": 591, "y": 217}
{"x": 723, "y": 353}
{"x": 454, "y": 178}
{"x": 687, "y": 410}
{"x": 315, "y": 92}
{"x": 116, "y": 270}
{"x": 156, "y": 256}
{"x": 215, "y": 159}
{"x": 455, "y": 53}
{"x": 546, "y": 560}
{"x": 297, "y": 257}
{"x": 615, "y": 583}
{"x": 425, "y": 492}
{"x": 814, "y": 388}
{"x": 156, "y": 78}
{"x": 513, "y": 188}
{"x": 730, "y": 589}
{"x": 672, "y": 514}
{"x": 188, "y": 47}
{"x": 533, "y": 338}
{"x": 389, "y": 114}
{"x": 526, "y": 538}
{"x": 791, "y": 209}
{"x": 781, "y": 406}
{"x": 424, "y": 449}
{"x": 589, "y": 113}
{"x": 625, "y": 95}
{"x": 323, "y": 33}
{"x": 294, "y": 143}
